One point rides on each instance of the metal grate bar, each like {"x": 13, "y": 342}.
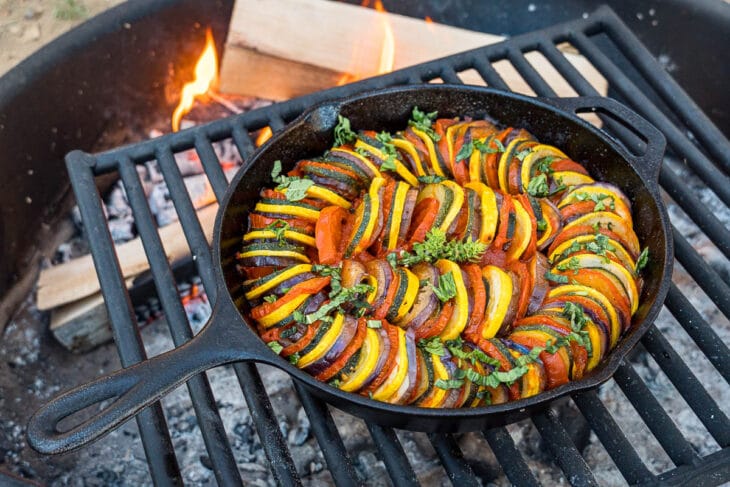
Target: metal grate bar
{"x": 567, "y": 456}
{"x": 701, "y": 332}
{"x": 393, "y": 456}
{"x": 264, "y": 420}
{"x": 489, "y": 74}
{"x": 201, "y": 394}
{"x": 709, "y": 280}
{"x": 153, "y": 430}
{"x": 212, "y": 165}
{"x": 509, "y": 457}
{"x": 668, "y": 89}
{"x": 708, "y": 172}
{"x": 612, "y": 438}
{"x": 676, "y": 187}
{"x": 449, "y": 76}
{"x": 713, "y": 469}
{"x": 655, "y": 417}
{"x": 529, "y": 73}
{"x": 688, "y": 386}
{"x": 259, "y": 405}
{"x": 569, "y": 72}
{"x": 457, "y": 468}
{"x": 191, "y": 225}
{"x": 243, "y": 141}
{"x": 333, "y": 450}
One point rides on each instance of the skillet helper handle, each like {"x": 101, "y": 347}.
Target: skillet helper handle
{"x": 647, "y": 164}
{"x": 134, "y": 388}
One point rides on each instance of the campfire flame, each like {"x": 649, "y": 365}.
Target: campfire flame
{"x": 206, "y": 73}
{"x": 387, "y": 52}
{"x": 387, "y": 49}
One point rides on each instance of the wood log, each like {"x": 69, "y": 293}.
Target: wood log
{"x": 76, "y": 279}
{"x": 279, "y": 49}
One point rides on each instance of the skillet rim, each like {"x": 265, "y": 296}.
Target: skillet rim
{"x": 344, "y": 400}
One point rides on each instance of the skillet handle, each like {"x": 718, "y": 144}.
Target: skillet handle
{"x": 134, "y": 388}
{"x": 647, "y": 164}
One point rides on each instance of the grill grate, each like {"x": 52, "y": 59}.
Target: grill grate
{"x": 692, "y": 138}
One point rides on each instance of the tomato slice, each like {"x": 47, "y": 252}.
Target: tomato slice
{"x": 436, "y": 324}
{"x": 328, "y": 234}
{"x": 423, "y": 218}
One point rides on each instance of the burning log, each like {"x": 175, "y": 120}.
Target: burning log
{"x": 321, "y": 44}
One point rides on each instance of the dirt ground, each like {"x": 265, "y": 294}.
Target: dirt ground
{"x": 26, "y": 25}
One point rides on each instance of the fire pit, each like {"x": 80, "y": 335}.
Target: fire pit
{"x": 594, "y": 437}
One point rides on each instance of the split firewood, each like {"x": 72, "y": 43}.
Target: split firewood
{"x": 76, "y": 279}
{"x": 319, "y": 44}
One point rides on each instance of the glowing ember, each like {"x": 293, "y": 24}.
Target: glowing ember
{"x": 263, "y": 136}
{"x": 206, "y": 73}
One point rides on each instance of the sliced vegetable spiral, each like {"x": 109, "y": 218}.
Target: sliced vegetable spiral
{"x": 451, "y": 264}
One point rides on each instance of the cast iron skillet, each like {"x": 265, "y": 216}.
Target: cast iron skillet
{"x": 229, "y": 337}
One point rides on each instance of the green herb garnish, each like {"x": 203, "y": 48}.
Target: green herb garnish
{"x": 558, "y": 278}
{"x": 572, "y": 264}
{"x": 343, "y": 132}
{"x": 375, "y": 324}
{"x": 276, "y": 347}
{"x": 643, "y": 259}
{"x": 538, "y": 186}
{"x": 448, "y": 384}
{"x": 271, "y": 298}
{"x": 431, "y": 179}
{"x": 436, "y": 247}
{"x": 294, "y": 358}
{"x": 278, "y": 226}
{"x": 446, "y": 288}
{"x": 296, "y": 188}
{"x": 465, "y": 151}
{"x": 432, "y": 345}
{"x": 423, "y": 122}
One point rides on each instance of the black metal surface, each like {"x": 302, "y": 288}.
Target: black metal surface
{"x": 710, "y": 469}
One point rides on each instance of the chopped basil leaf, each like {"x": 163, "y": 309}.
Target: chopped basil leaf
{"x": 276, "y": 171}
{"x": 576, "y": 315}
{"x": 271, "y": 298}
{"x": 431, "y": 179}
{"x": 572, "y": 264}
{"x": 643, "y": 259}
{"x": 542, "y": 225}
{"x": 375, "y": 324}
{"x": 296, "y": 188}
{"x": 279, "y": 227}
{"x": 543, "y": 165}
{"x": 432, "y": 345}
{"x": 448, "y": 384}
{"x": 343, "y": 132}
{"x": 558, "y": 278}
{"x": 538, "y": 186}
{"x": 446, "y": 287}
{"x": 423, "y": 122}
{"x": 276, "y": 347}
{"x": 465, "y": 151}
{"x": 485, "y": 148}
{"x": 294, "y": 358}
{"x": 522, "y": 154}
